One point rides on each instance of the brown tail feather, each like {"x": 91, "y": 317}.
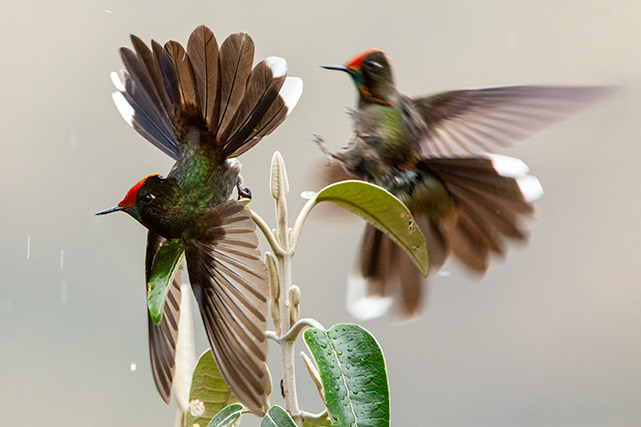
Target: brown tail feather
{"x": 169, "y": 92}
{"x": 387, "y": 279}
{"x": 203, "y": 52}
{"x": 490, "y": 206}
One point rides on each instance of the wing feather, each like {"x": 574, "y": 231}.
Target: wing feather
{"x": 164, "y": 336}
{"x": 230, "y": 284}
{"x": 496, "y": 117}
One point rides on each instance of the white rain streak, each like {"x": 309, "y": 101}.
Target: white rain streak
{"x": 63, "y": 292}
{"x": 62, "y": 258}
{"x": 28, "y": 247}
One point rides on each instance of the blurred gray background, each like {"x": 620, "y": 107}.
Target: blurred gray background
{"x": 550, "y": 337}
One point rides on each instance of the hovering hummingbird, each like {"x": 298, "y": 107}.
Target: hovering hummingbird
{"x": 204, "y": 106}
{"x": 431, "y": 152}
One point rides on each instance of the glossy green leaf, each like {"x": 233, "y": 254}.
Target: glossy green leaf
{"x": 209, "y": 392}
{"x": 384, "y": 211}
{"x": 227, "y": 416}
{"x": 168, "y": 259}
{"x": 277, "y": 417}
{"x": 352, "y": 369}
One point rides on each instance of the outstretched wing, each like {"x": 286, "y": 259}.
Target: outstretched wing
{"x": 468, "y": 122}
{"x": 168, "y": 92}
{"x": 230, "y": 284}
{"x": 163, "y": 337}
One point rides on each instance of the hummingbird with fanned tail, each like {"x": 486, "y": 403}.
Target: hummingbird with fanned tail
{"x": 432, "y": 153}
{"x": 203, "y": 106}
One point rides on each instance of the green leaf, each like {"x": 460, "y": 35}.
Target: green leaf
{"x": 352, "y": 369}
{"x": 209, "y": 392}
{"x": 168, "y": 259}
{"x": 227, "y": 416}
{"x": 384, "y": 211}
{"x": 277, "y": 417}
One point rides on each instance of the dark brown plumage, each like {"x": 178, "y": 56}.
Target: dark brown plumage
{"x": 431, "y": 152}
{"x": 203, "y": 106}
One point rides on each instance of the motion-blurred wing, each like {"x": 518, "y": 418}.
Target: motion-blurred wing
{"x": 468, "y": 122}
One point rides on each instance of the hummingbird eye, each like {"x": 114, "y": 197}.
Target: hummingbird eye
{"x": 148, "y": 198}
{"x": 374, "y": 64}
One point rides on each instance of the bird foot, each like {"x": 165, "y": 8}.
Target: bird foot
{"x": 322, "y": 144}
{"x": 243, "y": 192}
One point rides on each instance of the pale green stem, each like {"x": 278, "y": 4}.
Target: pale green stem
{"x": 295, "y": 330}
{"x": 315, "y": 418}
{"x": 283, "y": 243}
{"x": 267, "y": 232}
{"x": 300, "y": 220}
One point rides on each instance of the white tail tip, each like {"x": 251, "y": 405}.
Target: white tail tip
{"x": 530, "y": 188}
{"x": 361, "y": 306}
{"x": 116, "y": 79}
{"x": 291, "y": 92}
{"x": 509, "y": 167}
{"x": 278, "y": 65}
{"x": 126, "y": 111}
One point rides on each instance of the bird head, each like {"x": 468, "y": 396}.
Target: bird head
{"x": 372, "y": 75}
{"x": 138, "y": 199}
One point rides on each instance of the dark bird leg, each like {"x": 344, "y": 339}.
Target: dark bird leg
{"x": 243, "y": 192}
{"x": 322, "y": 144}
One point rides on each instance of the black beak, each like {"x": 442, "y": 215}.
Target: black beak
{"x": 110, "y": 210}
{"x": 339, "y": 68}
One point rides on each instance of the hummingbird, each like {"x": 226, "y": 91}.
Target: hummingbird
{"x": 203, "y": 106}
{"x": 434, "y": 154}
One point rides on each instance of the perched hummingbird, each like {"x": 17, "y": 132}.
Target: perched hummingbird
{"x": 431, "y": 152}
{"x": 203, "y": 106}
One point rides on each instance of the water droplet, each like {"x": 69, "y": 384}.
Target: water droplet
{"x": 132, "y": 367}
{"x": 340, "y": 353}
{"x": 355, "y": 392}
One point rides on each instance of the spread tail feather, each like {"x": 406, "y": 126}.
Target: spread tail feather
{"x": 167, "y": 92}
{"x": 492, "y": 194}
{"x": 387, "y": 280}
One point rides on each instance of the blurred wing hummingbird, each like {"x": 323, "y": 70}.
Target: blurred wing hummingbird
{"x": 203, "y": 106}
{"x": 432, "y": 153}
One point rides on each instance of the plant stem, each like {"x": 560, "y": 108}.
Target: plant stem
{"x": 280, "y": 188}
